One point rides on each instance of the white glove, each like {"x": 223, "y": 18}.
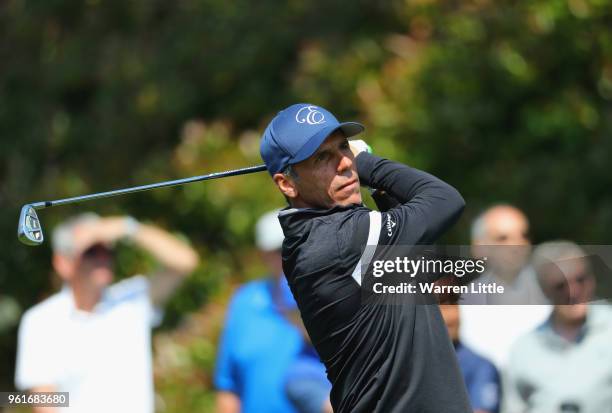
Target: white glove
{"x": 358, "y": 146}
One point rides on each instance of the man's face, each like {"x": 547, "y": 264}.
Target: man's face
{"x": 569, "y": 285}
{"x": 273, "y": 261}
{"x": 329, "y": 177}
{"x": 506, "y": 226}
{"x": 95, "y": 265}
{"x": 505, "y": 240}
{"x": 90, "y": 268}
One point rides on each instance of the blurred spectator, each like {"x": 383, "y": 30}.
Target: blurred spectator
{"x": 565, "y": 365}
{"x": 307, "y": 385}
{"x": 501, "y": 233}
{"x": 258, "y": 343}
{"x": 306, "y": 382}
{"x": 92, "y": 339}
{"x": 480, "y": 375}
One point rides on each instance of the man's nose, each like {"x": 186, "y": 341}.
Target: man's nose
{"x": 345, "y": 163}
{"x": 576, "y": 292}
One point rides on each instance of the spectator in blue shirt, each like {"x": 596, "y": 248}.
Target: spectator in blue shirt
{"x": 307, "y": 385}
{"x": 258, "y": 343}
{"x": 480, "y": 375}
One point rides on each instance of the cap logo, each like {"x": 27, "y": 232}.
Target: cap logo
{"x": 309, "y": 115}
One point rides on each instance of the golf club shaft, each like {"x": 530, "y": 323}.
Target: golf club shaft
{"x": 82, "y": 198}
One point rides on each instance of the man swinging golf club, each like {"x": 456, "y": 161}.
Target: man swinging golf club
{"x": 379, "y": 358}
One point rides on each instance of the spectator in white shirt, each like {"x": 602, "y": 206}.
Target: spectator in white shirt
{"x": 93, "y": 339}
{"x": 565, "y": 365}
{"x": 501, "y": 233}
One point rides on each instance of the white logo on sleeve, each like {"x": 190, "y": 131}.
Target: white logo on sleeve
{"x": 390, "y": 225}
{"x": 309, "y": 115}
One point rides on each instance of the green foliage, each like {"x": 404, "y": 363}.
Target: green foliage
{"x": 100, "y": 95}
{"x": 540, "y": 120}
{"x": 508, "y": 102}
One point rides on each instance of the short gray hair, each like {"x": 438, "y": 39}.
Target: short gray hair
{"x": 555, "y": 251}
{"x": 289, "y": 171}
{"x": 62, "y": 240}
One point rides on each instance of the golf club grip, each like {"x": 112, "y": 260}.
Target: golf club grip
{"x": 108, "y": 194}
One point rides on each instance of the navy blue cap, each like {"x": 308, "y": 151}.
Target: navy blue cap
{"x": 296, "y": 132}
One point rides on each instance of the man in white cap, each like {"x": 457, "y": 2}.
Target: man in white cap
{"x": 259, "y": 343}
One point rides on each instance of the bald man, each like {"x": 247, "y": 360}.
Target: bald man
{"x": 501, "y": 233}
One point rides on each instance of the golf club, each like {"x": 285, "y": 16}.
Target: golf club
{"x": 29, "y": 229}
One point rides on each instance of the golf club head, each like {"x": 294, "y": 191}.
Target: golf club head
{"x": 29, "y": 230}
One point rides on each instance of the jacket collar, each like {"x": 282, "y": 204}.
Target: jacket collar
{"x": 293, "y": 220}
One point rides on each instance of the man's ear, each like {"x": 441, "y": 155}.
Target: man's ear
{"x": 286, "y": 185}
{"x": 64, "y": 266}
